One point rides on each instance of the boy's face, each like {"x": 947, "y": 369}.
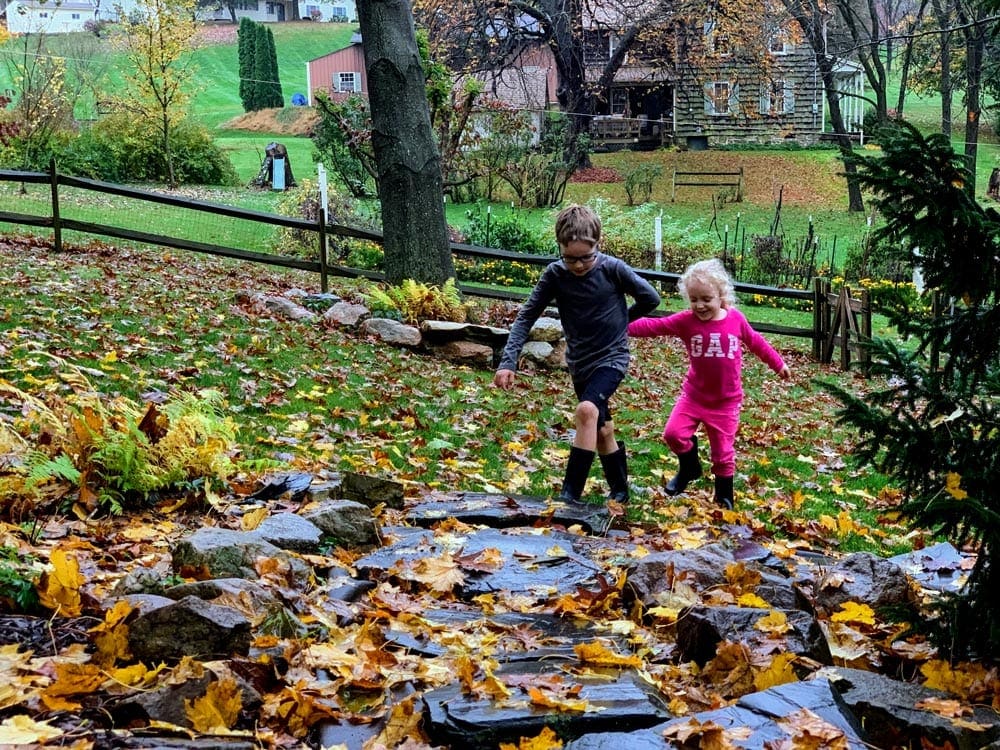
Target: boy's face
{"x": 578, "y": 256}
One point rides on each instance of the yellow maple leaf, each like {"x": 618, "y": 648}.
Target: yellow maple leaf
{"x": 441, "y": 573}
{"x": 854, "y": 612}
{"x": 545, "y": 740}
{"x": 952, "y": 485}
{"x": 111, "y": 636}
{"x": 23, "y": 730}
{"x": 403, "y": 722}
{"x": 595, "y": 653}
{"x": 60, "y": 586}
{"x": 548, "y": 700}
{"x": 753, "y": 601}
{"x": 217, "y": 710}
{"x": 71, "y": 679}
{"x": 775, "y": 623}
{"x": 778, "y": 672}
{"x": 252, "y": 520}
{"x": 947, "y": 707}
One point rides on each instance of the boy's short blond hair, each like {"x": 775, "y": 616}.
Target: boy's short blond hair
{"x": 577, "y": 224}
{"x": 712, "y": 272}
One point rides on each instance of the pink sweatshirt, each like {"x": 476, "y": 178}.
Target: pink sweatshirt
{"x": 714, "y": 352}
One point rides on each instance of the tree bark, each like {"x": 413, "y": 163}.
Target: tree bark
{"x": 406, "y": 155}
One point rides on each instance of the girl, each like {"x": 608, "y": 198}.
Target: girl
{"x": 712, "y": 392}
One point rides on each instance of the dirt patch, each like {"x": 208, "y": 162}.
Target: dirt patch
{"x": 295, "y": 121}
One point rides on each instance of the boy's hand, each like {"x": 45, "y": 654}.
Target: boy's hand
{"x": 503, "y": 379}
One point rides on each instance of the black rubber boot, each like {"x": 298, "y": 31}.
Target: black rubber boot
{"x": 577, "y": 471}
{"x": 724, "y": 492}
{"x": 615, "y": 467}
{"x": 690, "y": 469}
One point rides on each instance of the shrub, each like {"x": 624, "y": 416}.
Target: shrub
{"x": 115, "y": 452}
{"x": 505, "y": 230}
{"x": 498, "y": 272}
{"x": 304, "y": 202}
{"x": 639, "y": 182}
{"x": 18, "y": 577}
{"x": 415, "y": 301}
{"x": 122, "y": 148}
{"x": 630, "y": 235}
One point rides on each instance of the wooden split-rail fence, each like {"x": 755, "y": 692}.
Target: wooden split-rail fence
{"x": 841, "y": 319}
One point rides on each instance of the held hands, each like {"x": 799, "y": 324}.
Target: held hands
{"x": 503, "y": 379}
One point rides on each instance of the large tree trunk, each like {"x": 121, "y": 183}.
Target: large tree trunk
{"x": 406, "y": 155}
{"x": 811, "y": 18}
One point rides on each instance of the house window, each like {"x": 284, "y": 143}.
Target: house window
{"x": 43, "y": 14}
{"x": 779, "y": 45}
{"x": 777, "y": 98}
{"x": 348, "y": 82}
{"x": 248, "y": 5}
{"x": 721, "y": 98}
{"x": 75, "y": 16}
{"x": 619, "y": 101}
{"x": 715, "y": 42}
{"x": 339, "y": 11}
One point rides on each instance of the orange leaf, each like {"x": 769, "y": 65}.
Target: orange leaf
{"x": 546, "y": 740}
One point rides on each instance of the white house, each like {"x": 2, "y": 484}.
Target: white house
{"x": 63, "y": 16}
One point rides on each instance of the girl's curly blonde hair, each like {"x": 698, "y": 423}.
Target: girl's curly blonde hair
{"x": 710, "y": 272}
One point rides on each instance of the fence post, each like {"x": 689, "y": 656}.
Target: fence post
{"x": 820, "y": 287}
{"x": 845, "y": 328}
{"x": 864, "y": 350}
{"x": 323, "y": 279}
{"x": 54, "y": 188}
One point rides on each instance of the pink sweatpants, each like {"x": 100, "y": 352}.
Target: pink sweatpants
{"x": 721, "y": 424}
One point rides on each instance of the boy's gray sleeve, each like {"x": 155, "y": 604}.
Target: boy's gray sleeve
{"x": 540, "y": 298}
{"x": 646, "y": 297}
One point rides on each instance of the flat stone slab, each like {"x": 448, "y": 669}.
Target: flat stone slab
{"x": 508, "y": 511}
{"x": 534, "y": 562}
{"x": 550, "y": 637}
{"x": 613, "y": 700}
{"x": 757, "y": 721}
{"x": 940, "y": 567}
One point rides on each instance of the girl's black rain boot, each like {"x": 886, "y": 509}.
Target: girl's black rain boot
{"x": 615, "y": 467}
{"x": 577, "y": 470}
{"x": 690, "y": 469}
{"x": 724, "y": 492}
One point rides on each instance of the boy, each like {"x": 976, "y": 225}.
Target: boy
{"x": 589, "y": 290}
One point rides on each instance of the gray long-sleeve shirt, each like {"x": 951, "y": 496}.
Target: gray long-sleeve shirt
{"x": 593, "y": 311}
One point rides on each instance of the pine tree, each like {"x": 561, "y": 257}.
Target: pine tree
{"x": 246, "y": 38}
{"x": 273, "y": 85}
{"x": 262, "y": 73}
{"x": 934, "y": 422}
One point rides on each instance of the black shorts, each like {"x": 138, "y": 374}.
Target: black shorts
{"x": 598, "y": 390}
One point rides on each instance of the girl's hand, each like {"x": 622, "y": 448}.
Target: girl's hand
{"x": 785, "y": 372}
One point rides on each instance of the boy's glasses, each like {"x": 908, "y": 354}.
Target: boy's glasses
{"x": 579, "y": 259}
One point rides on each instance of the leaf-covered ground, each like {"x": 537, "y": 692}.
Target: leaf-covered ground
{"x": 314, "y": 398}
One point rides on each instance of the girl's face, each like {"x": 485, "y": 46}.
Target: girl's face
{"x": 705, "y": 300}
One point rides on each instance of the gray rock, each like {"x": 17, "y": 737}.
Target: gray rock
{"x": 289, "y": 531}
{"x": 546, "y": 329}
{"x": 224, "y": 553}
{"x": 703, "y": 568}
{"x": 189, "y": 627}
{"x": 700, "y": 629}
{"x": 888, "y": 710}
{"x": 350, "y": 524}
{"x": 345, "y": 314}
{"x": 371, "y": 491}
{"x": 862, "y": 577}
{"x": 391, "y": 331}
{"x": 466, "y": 353}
